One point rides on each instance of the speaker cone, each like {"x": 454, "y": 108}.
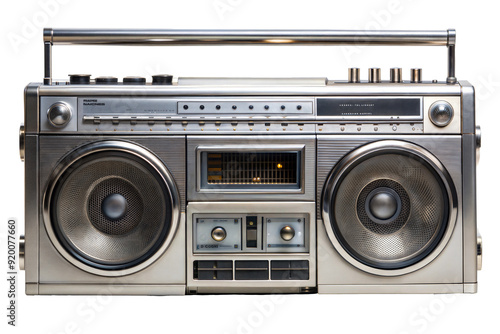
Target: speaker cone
{"x": 112, "y": 206}
{"x": 387, "y": 205}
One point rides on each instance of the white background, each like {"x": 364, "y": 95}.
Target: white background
{"x": 477, "y": 61}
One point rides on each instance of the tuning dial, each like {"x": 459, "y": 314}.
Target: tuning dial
{"x": 396, "y": 75}
{"x": 354, "y": 74}
{"x": 218, "y": 233}
{"x": 79, "y": 79}
{"x": 162, "y": 79}
{"x": 441, "y": 113}
{"x": 134, "y": 81}
{"x": 106, "y": 80}
{"x": 374, "y": 74}
{"x": 287, "y": 233}
{"x": 416, "y": 75}
{"x": 59, "y": 114}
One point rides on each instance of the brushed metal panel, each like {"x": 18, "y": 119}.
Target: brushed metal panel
{"x": 172, "y": 150}
{"x": 469, "y": 211}
{"x": 468, "y": 108}
{"x": 391, "y": 289}
{"x": 31, "y": 210}
{"x": 31, "y": 108}
{"x": 106, "y": 289}
{"x": 250, "y": 286}
{"x": 329, "y": 153}
{"x": 339, "y": 88}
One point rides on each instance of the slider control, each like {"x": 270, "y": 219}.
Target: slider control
{"x": 251, "y": 229}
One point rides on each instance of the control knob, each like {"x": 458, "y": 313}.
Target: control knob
{"x": 134, "y": 80}
{"x": 354, "y": 75}
{"x": 218, "y": 233}
{"x": 374, "y": 75}
{"x": 396, "y": 75}
{"x": 416, "y": 75}
{"x": 287, "y": 233}
{"x": 59, "y": 114}
{"x": 162, "y": 79}
{"x": 79, "y": 79}
{"x": 441, "y": 113}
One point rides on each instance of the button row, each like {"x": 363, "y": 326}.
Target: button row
{"x": 84, "y": 79}
{"x": 374, "y": 75}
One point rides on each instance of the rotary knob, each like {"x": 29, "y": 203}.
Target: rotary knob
{"x": 396, "y": 75}
{"x": 374, "y": 75}
{"x": 287, "y": 233}
{"x": 416, "y": 75}
{"x": 218, "y": 233}
{"x": 134, "y": 80}
{"x": 162, "y": 79}
{"x": 441, "y": 113}
{"x": 59, "y": 114}
{"x": 354, "y": 75}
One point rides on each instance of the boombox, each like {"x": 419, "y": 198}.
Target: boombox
{"x": 193, "y": 185}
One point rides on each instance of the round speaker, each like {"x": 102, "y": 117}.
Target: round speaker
{"x": 111, "y": 207}
{"x": 390, "y": 207}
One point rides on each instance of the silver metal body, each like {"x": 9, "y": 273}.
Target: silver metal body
{"x": 232, "y": 231}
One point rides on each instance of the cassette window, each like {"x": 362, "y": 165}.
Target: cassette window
{"x": 250, "y": 170}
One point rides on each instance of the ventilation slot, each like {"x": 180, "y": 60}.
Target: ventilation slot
{"x": 252, "y": 270}
{"x": 290, "y": 270}
{"x": 213, "y": 270}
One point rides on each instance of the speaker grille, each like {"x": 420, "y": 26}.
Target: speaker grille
{"x": 408, "y": 236}
{"x": 82, "y": 225}
{"x": 135, "y": 206}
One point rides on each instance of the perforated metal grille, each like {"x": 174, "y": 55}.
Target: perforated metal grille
{"x": 134, "y": 212}
{"x": 77, "y": 209}
{"x": 251, "y": 168}
{"x": 409, "y": 236}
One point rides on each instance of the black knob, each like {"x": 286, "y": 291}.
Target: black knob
{"x": 299, "y": 107}
{"x": 79, "y": 79}
{"x": 106, "y": 80}
{"x": 202, "y": 107}
{"x": 234, "y": 107}
{"x": 217, "y": 107}
{"x": 134, "y": 81}
{"x": 266, "y": 107}
{"x": 162, "y": 79}
{"x": 250, "y": 107}
{"x": 186, "y": 107}
{"x": 283, "y": 107}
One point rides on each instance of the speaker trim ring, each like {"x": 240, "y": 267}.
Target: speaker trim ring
{"x": 350, "y": 160}
{"x": 120, "y": 146}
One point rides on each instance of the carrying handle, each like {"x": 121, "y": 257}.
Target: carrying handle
{"x": 248, "y": 37}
